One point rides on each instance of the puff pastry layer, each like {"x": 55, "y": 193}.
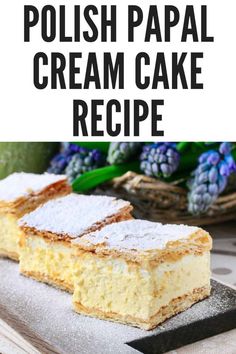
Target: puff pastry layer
{"x": 141, "y": 273}
{"x": 21, "y": 193}
{"x": 47, "y": 253}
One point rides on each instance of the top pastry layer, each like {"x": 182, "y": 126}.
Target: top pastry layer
{"x": 22, "y": 184}
{"x": 74, "y": 215}
{"x": 139, "y": 238}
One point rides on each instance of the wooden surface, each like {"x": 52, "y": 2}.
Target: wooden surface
{"x": 12, "y": 341}
{"x": 16, "y": 337}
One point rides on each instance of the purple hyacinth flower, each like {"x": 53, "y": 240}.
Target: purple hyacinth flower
{"x": 210, "y": 178}
{"x": 213, "y": 189}
{"x": 230, "y": 162}
{"x": 213, "y": 175}
{"x": 213, "y": 158}
{"x": 224, "y": 169}
{"x": 161, "y": 159}
{"x": 225, "y": 148}
{"x": 203, "y": 177}
{"x": 203, "y": 157}
{"x": 222, "y": 183}
{"x": 201, "y": 189}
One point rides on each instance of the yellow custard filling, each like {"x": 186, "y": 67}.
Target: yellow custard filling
{"x": 9, "y": 234}
{"x": 50, "y": 261}
{"x": 113, "y": 285}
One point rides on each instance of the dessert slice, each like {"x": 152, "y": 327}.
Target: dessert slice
{"x": 21, "y": 193}
{"x": 46, "y": 249}
{"x": 141, "y": 273}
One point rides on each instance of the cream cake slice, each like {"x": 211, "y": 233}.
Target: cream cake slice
{"x": 21, "y": 193}
{"x": 46, "y": 250}
{"x": 141, "y": 273}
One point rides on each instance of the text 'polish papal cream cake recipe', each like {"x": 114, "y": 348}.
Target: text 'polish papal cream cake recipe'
{"x": 21, "y": 193}
{"x": 46, "y": 248}
{"x": 140, "y": 273}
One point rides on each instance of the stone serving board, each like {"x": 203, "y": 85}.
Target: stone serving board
{"x": 43, "y": 316}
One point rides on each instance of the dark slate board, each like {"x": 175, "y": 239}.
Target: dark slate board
{"x": 207, "y": 318}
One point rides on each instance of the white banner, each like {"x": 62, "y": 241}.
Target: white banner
{"x": 154, "y": 73}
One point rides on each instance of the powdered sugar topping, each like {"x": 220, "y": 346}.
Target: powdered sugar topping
{"x": 74, "y": 214}
{"x": 137, "y": 235}
{"x": 22, "y": 184}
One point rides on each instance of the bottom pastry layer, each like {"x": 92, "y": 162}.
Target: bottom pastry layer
{"x": 175, "y": 306}
{"x": 58, "y": 283}
{"x": 12, "y": 255}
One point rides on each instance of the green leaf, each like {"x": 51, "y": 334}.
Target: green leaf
{"x": 102, "y": 146}
{"x": 234, "y": 154}
{"x": 188, "y": 161}
{"x": 93, "y": 178}
{"x": 183, "y": 146}
{"x": 201, "y": 145}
